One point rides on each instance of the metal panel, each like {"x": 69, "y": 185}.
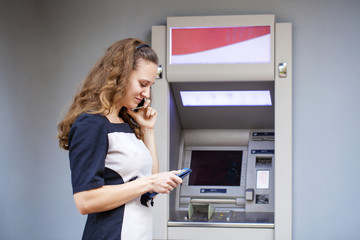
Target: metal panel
{"x": 194, "y": 233}
{"x": 160, "y": 102}
{"x": 283, "y": 134}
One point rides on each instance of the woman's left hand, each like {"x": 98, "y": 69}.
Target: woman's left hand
{"x": 145, "y": 117}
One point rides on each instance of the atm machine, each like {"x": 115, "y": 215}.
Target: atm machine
{"x": 223, "y": 97}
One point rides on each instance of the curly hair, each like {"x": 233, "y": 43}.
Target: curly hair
{"x": 106, "y": 84}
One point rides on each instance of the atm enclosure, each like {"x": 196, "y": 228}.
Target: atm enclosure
{"x": 247, "y": 195}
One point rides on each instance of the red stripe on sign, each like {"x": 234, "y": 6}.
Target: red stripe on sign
{"x": 193, "y": 40}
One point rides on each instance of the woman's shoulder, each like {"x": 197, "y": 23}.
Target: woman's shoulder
{"x": 90, "y": 117}
{"x": 88, "y": 128}
{"x": 90, "y": 120}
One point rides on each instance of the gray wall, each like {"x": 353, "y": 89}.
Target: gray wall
{"x": 47, "y": 48}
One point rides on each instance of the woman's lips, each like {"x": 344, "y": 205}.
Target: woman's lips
{"x": 138, "y": 100}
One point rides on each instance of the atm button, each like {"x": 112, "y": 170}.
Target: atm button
{"x": 249, "y": 194}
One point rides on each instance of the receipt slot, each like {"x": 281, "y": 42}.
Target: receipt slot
{"x": 240, "y": 152}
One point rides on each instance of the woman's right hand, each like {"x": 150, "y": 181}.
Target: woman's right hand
{"x": 164, "y": 182}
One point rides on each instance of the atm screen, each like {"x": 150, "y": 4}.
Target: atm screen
{"x": 215, "y": 168}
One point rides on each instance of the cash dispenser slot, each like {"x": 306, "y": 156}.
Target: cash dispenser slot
{"x": 201, "y": 211}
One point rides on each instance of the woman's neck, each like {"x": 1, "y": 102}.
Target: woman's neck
{"x": 113, "y": 116}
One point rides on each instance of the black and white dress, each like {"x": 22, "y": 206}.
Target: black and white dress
{"x": 104, "y": 153}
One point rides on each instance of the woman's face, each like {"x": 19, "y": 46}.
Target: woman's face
{"x": 140, "y": 81}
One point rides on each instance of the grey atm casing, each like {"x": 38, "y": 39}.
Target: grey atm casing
{"x": 168, "y": 135}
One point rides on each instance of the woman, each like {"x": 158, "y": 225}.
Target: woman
{"x": 112, "y": 150}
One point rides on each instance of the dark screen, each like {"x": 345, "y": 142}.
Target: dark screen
{"x": 215, "y": 168}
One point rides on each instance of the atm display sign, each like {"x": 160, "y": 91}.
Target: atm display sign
{"x": 220, "y": 45}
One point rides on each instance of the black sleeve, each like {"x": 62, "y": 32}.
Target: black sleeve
{"x": 88, "y": 144}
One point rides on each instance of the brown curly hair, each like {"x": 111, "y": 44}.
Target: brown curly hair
{"x": 106, "y": 84}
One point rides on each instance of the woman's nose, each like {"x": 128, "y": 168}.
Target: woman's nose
{"x": 146, "y": 93}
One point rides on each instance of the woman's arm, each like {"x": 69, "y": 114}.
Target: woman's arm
{"x": 112, "y": 196}
{"x": 149, "y": 140}
{"x": 146, "y": 118}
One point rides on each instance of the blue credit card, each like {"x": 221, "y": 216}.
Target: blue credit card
{"x": 184, "y": 172}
